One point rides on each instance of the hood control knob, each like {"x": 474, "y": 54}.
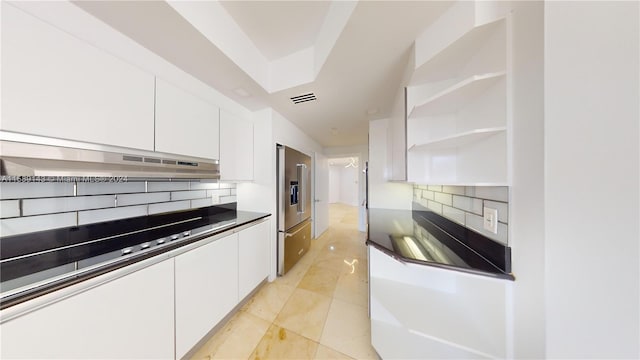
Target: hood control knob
{"x": 174, "y": 237}
{"x": 160, "y": 241}
{"x": 144, "y": 245}
{"x": 127, "y": 251}
{"x": 186, "y": 233}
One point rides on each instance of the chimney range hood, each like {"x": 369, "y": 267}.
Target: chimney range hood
{"x": 27, "y": 155}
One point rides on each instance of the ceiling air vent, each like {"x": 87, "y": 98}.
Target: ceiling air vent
{"x": 303, "y": 98}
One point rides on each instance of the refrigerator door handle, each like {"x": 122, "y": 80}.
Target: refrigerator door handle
{"x": 301, "y": 172}
{"x": 286, "y": 235}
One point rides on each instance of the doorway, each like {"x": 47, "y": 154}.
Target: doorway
{"x": 344, "y": 178}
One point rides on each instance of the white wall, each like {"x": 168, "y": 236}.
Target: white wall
{"x": 349, "y": 185}
{"x": 334, "y": 184}
{"x": 592, "y": 179}
{"x": 362, "y": 153}
{"x": 526, "y": 203}
{"x": 384, "y": 194}
{"x": 343, "y": 184}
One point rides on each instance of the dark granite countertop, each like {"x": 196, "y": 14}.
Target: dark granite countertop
{"x": 37, "y": 263}
{"x": 423, "y": 237}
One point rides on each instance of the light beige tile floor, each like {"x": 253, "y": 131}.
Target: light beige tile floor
{"x": 318, "y": 310}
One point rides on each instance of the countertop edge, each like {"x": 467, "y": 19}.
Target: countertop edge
{"x": 501, "y": 276}
{"x": 74, "y": 279}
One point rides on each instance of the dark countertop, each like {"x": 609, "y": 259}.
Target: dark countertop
{"x": 423, "y": 237}
{"x": 37, "y": 263}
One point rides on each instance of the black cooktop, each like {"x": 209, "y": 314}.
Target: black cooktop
{"x": 34, "y": 262}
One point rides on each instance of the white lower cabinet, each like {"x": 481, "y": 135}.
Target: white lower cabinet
{"x": 424, "y": 312}
{"x": 206, "y": 283}
{"x": 127, "y": 318}
{"x": 254, "y": 255}
{"x": 158, "y": 312}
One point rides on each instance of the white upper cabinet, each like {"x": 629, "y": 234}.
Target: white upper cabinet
{"x": 185, "y": 124}
{"x": 458, "y": 98}
{"x": 236, "y": 147}
{"x": 58, "y": 86}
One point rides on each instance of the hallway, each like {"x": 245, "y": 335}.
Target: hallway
{"x": 316, "y": 311}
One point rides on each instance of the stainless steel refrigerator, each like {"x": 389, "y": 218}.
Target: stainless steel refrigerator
{"x": 294, "y": 207}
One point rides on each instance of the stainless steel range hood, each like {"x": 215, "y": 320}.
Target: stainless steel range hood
{"x": 27, "y": 155}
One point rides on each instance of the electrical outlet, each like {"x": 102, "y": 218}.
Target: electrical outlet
{"x": 491, "y": 220}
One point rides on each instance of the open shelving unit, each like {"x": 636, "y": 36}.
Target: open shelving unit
{"x": 458, "y": 140}
{"x": 449, "y": 99}
{"x": 458, "y": 101}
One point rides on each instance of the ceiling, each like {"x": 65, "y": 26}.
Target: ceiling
{"x": 351, "y": 55}
{"x": 279, "y": 28}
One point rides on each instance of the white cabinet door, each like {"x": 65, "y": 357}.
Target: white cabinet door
{"x": 127, "y": 318}
{"x": 185, "y": 123}
{"x": 206, "y": 289}
{"x": 236, "y": 147}
{"x": 441, "y": 314}
{"x": 58, "y": 86}
{"x": 254, "y": 255}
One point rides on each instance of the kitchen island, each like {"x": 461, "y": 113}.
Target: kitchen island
{"x": 433, "y": 294}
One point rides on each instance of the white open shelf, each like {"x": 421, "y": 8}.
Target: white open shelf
{"x": 458, "y": 140}
{"x": 447, "y": 62}
{"x": 451, "y": 98}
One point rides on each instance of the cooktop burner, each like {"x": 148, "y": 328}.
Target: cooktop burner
{"x": 31, "y": 259}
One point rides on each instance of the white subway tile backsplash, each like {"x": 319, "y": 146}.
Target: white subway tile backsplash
{"x": 470, "y": 191}
{"x": 28, "y": 207}
{"x": 435, "y": 187}
{"x": 9, "y": 208}
{"x": 435, "y": 207}
{"x": 453, "y": 214}
{"x": 475, "y": 222}
{"x": 503, "y": 210}
{"x": 423, "y": 202}
{"x": 202, "y": 185}
{"x": 66, "y": 204}
{"x": 458, "y": 190}
{"x": 445, "y": 199}
{"x": 227, "y": 199}
{"x": 468, "y": 204}
{"x": 497, "y": 193}
{"x": 110, "y": 188}
{"x": 221, "y": 192}
{"x": 168, "y": 206}
{"x": 464, "y": 205}
{"x": 153, "y": 186}
{"x": 426, "y": 194}
{"x": 462, "y": 202}
{"x": 21, "y": 225}
{"x": 198, "y": 203}
{"x": 94, "y": 216}
{"x": 34, "y": 190}
{"x": 188, "y": 195}
{"x": 144, "y": 198}
{"x": 476, "y": 206}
